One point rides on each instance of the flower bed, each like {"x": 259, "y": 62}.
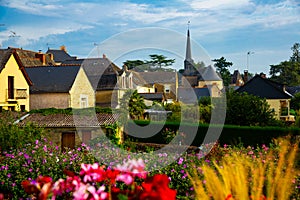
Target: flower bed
{"x": 44, "y": 167}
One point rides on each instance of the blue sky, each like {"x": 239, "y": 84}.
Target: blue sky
{"x": 228, "y": 28}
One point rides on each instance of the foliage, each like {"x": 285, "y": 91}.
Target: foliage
{"x": 133, "y": 63}
{"x": 222, "y": 67}
{"x": 295, "y": 102}
{"x": 175, "y": 107}
{"x": 70, "y": 111}
{"x": 248, "y": 110}
{"x": 248, "y": 176}
{"x": 296, "y": 53}
{"x": 38, "y": 158}
{"x": 155, "y": 63}
{"x": 13, "y": 136}
{"x": 132, "y": 104}
{"x": 288, "y": 72}
{"x": 160, "y": 61}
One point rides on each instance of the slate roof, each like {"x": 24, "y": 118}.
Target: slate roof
{"x": 101, "y": 72}
{"x": 264, "y": 88}
{"x": 158, "y": 77}
{"x": 5, "y": 54}
{"x": 152, "y": 96}
{"x": 293, "y": 89}
{"x": 210, "y": 74}
{"x": 192, "y": 95}
{"x": 65, "y": 120}
{"x": 60, "y": 55}
{"x": 50, "y": 79}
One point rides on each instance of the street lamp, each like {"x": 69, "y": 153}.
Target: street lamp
{"x": 248, "y": 54}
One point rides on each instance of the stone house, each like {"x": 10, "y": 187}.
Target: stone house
{"x": 60, "y": 87}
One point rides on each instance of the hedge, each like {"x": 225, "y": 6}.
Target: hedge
{"x": 230, "y": 134}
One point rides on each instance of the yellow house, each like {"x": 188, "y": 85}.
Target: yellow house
{"x": 14, "y": 82}
{"x": 60, "y": 87}
{"x": 274, "y": 93}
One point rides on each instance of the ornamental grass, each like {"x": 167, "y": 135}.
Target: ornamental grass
{"x": 243, "y": 176}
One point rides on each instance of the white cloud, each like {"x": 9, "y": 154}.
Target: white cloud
{"x": 223, "y": 4}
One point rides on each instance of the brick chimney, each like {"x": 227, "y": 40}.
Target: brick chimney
{"x": 245, "y": 76}
{"x": 41, "y": 57}
{"x": 263, "y": 75}
{"x": 63, "y": 47}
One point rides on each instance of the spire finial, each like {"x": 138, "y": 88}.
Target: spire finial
{"x": 188, "y": 24}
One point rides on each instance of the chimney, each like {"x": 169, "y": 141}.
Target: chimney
{"x": 245, "y": 76}
{"x": 263, "y": 75}
{"x": 51, "y": 56}
{"x": 63, "y": 47}
{"x": 104, "y": 56}
{"x": 41, "y": 57}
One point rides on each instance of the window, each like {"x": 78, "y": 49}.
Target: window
{"x": 167, "y": 89}
{"x": 11, "y": 87}
{"x": 83, "y": 101}
{"x": 22, "y": 107}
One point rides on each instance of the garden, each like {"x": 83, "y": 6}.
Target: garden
{"x": 40, "y": 170}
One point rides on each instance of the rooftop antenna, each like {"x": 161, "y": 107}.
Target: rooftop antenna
{"x": 48, "y": 45}
{"x": 98, "y": 51}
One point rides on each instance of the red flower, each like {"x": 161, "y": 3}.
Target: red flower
{"x": 157, "y": 188}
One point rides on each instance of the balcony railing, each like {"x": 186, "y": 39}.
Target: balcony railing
{"x": 16, "y": 94}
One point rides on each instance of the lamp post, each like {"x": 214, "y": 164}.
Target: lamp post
{"x": 248, "y": 54}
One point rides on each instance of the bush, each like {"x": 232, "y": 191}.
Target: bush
{"x": 14, "y": 137}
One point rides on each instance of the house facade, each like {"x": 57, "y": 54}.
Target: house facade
{"x": 60, "y": 87}
{"x": 14, "y": 81}
{"x": 274, "y": 93}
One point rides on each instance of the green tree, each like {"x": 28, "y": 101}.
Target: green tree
{"x": 160, "y": 61}
{"x": 288, "y": 72}
{"x": 222, "y": 67}
{"x": 295, "y": 102}
{"x": 296, "y": 53}
{"x": 248, "y": 110}
{"x": 133, "y": 63}
{"x": 133, "y": 104}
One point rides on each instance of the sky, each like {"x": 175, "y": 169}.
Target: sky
{"x": 130, "y": 29}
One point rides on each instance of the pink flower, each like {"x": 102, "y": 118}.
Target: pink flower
{"x": 126, "y": 178}
{"x": 180, "y": 161}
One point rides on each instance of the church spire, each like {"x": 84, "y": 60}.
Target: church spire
{"x": 188, "y": 62}
{"x": 188, "y": 55}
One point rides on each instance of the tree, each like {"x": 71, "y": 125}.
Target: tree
{"x": 288, "y": 72}
{"x": 133, "y": 104}
{"x": 248, "y": 110}
{"x": 160, "y": 60}
{"x": 295, "y": 102}
{"x": 296, "y": 53}
{"x": 133, "y": 63}
{"x": 222, "y": 67}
